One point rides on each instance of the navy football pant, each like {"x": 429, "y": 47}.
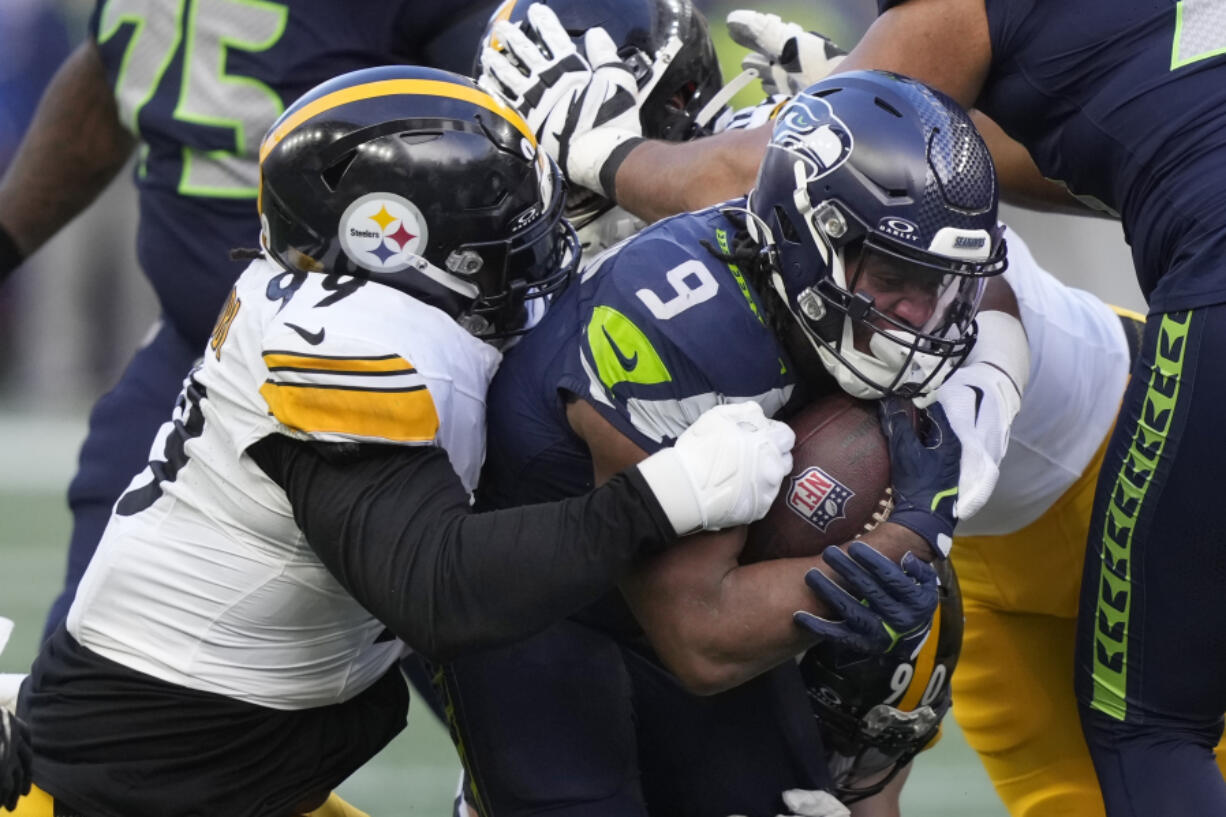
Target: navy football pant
{"x": 122, "y": 426}
{"x": 1151, "y": 651}
{"x": 569, "y": 723}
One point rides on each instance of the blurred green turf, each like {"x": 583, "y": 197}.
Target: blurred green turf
{"x": 417, "y": 773}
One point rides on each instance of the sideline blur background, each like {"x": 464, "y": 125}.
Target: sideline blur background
{"x": 71, "y": 317}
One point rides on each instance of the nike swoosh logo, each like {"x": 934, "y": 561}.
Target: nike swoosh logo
{"x": 978, "y": 399}
{"x": 627, "y": 363}
{"x": 313, "y": 338}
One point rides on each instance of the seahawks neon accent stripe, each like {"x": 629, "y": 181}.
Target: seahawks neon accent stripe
{"x": 390, "y": 87}
{"x": 925, "y": 662}
{"x": 1114, "y": 605}
{"x": 948, "y": 492}
{"x": 621, "y": 352}
{"x": 397, "y": 415}
{"x": 1199, "y": 31}
{"x": 292, "y": 361}
{"x": 721, "y": 238}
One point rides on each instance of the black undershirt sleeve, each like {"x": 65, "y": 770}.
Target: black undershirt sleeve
{"x": 394, "y": 526}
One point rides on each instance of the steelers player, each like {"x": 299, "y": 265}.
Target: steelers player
{"x": 305, "y": 514}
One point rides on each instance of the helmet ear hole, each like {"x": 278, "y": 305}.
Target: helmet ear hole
{"x": 787, "y": 230}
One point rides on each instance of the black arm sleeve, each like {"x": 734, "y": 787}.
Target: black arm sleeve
{"x": 395, "y": 527}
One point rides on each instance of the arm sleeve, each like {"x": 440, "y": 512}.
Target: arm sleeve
{"x": 394, "y": 526}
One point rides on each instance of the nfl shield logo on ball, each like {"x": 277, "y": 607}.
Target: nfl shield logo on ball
{"x": 818, "y": 497}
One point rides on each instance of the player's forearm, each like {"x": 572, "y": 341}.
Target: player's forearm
{"x": 73, "y": 148}
{"x": 395, "y": 528}
{"x": 660, "y": 179}
{"x": 1021, "y": 182}
{"x": 741, "y": 628}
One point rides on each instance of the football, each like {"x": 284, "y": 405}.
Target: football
{"x": 839, "y": 485}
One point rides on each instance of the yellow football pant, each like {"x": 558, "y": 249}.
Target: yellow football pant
{"x": 40, "y": 804}
{"x": 1013, "y": 688}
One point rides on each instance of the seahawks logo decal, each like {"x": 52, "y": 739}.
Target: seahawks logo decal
{"x": 809, "y": 129}
{"x": 383, "y": 232}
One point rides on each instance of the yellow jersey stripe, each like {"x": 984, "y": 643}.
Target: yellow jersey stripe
{"x": 925, "y": 662}
{"x": 389, "y": 87}
{"x": 386, "y": 364}
{"x": 35, "y": 804}
{"x": 398, "y": 415}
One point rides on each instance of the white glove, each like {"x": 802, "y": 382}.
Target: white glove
{"x": 521, "y": 73}
{"x": 723, "y": 471}
{"x": 582, "y": 106}
{"x": 981, "y": 398}
{"x": 804, "y": 803}
{"x": 785, "y": 57}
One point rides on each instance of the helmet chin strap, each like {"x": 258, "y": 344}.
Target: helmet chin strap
{"x": 663, "y": 59}
{"x": 881, "y": 364}
{"x": 723, "y": 96}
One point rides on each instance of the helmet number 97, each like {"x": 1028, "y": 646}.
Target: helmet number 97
{"x": 692, "y": 284}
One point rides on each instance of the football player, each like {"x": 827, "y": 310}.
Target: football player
{"x": 306, "y": 513}
{"x": 190, "y": 88}
{"x": 1022, "y": 560}
{"x": 756, "y": 301}
{"x": 1123, "y": 103}
{"x": 1151, "y": 645}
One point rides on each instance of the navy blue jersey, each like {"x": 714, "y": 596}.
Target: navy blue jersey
{"x": 1125, "y": 101}
{"x": 655, "y": 331}
{"x": 201, "y": 81}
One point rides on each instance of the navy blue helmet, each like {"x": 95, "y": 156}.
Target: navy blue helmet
{"x": 877, "y": 202}
{"x": 418, "y": 179}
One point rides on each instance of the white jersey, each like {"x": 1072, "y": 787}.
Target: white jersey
{"x": 1078, "y": 370}
{"x": 202, "y": 577}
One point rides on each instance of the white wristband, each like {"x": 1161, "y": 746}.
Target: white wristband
{"x": 670, "y": 482}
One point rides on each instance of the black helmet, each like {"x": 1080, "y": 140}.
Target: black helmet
{"x": 876, "y": 713}
{"x": 879, "y": 169}
{"x": 420, "y": 180}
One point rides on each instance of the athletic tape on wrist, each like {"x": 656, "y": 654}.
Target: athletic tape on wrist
{"x": 608, "y": 171}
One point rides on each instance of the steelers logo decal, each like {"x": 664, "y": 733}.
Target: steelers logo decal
{"x": 382, "y": 232}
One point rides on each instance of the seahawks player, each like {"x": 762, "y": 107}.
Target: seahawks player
{"x": 233, "y": 645}
{"x": 751, "y": 302}
{"x": 1122, "y": 102}
{"x": 190, "y": 88}
{"x": 1021, "y": 557}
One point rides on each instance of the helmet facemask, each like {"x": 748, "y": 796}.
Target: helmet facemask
{"x": 877, "y": 203}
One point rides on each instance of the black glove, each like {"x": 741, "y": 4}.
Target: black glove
{"x": 925, "y": 462}
{"x": 889, "y": 608}
{"x": 15, "y": 757}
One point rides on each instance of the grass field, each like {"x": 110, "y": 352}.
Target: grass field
{"x": 417, "y": 773}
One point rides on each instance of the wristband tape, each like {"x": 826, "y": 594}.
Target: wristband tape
{"x": 608, "y": 171}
